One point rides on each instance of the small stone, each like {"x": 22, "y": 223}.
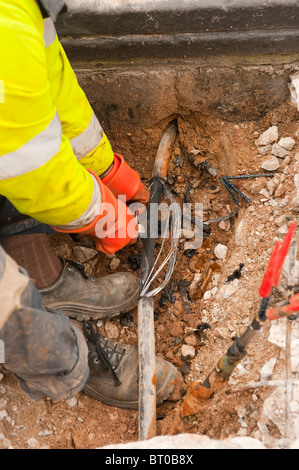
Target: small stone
{"x": 185, "y": 370}
{"x": 281, "y": 189}
{"x": 3, "y": 415}
{"x": 287, "y": 143}
{"x": 33, "y": 443}
{"x": 287, "y": 160}
{"x": 72, "y": 402}
{"x": 257, "y": 185}
{"x": 242, "y": 432}
{"x": 176, "y": 329}
{"x": 224, "y": 225}
{"x": 3, "y": 403}
{"x": 191, "y": 340}
{"x": 4, "y": 442}
{"x": 188, "y": 234}
{"x": 284, "y": 202}
{"x": 122, "y": 428}
{"x": 267, "y": 369}
{"x": 220, "y": 251}
{"x": 64, "y": 250}
{"x": 272, "y": 185}
{"x": 279, "y": 152}
{"x": 280, "y": 220}
{"x": 272, "y": 203}
{"x": 114, "y": 264}
{"x": 241, "y": 233}
{"x": 281, "y": 232}
{"x": 188, "y": 351}
{"x": 264, "y": 150}
{"x": 271, "y": 164}
{"x": 1, "y": 376}
{"x": 207, "y": 295}
{"x": 231, "y": 289}
{"x": 297, "y": 156}
{"x": 169, "y": 355}
{"x": 296, "y": 203}
{"x": 2, "y": 389}
{"x": 111, "y": 330}
{"x": 265, "y": 193}
{"x": 44, "y": 433}
{"x": 84, "y": 254}
{"x": 268, "y": 137}
{"x": 221, "y": 332}
{"x": 241, "y": 370}
{"x": 241, "y": 411}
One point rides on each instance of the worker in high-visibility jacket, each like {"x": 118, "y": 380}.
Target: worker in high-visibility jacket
{"x": 58, "y": 168}
{"x": 56, "y": 163}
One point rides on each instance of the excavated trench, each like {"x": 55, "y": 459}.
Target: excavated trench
{"x": 222, "y": 103}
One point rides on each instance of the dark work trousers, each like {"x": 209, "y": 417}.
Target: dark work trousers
{"x": 13, "y": 223}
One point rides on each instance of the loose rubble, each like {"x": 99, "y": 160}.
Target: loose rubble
{"x": 279, "y": 151}
{"x": 240, "y": 417}
{"x": 271, "y": 164}
{"x": 268, "y": 137}
{"x": 220, "y": 251}
{"x": 287, "y": 143}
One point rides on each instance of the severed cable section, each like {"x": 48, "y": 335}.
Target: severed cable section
{"x": 172, "y": 254}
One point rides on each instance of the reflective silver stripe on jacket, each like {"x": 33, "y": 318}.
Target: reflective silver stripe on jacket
{"x": 89, "y": 139}
{"x": 49, "y": 32}
{"x": 29, "y": 156}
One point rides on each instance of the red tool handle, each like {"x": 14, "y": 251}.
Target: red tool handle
{"x": 267, "y": 282}
{"x": 274, "y": 268}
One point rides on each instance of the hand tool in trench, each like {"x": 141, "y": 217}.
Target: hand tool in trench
{"x": 198, "y": 393}
{"x": 146, "y": 335}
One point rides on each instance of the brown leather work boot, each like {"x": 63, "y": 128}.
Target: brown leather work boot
{"x": 114, "y": 371}
{"x": 81, "y": 297}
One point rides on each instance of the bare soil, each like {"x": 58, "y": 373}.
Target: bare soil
{"x": 87, "y": 423}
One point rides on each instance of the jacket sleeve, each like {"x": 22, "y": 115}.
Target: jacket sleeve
{"x": 79, "y": 122}
{"x": 39, "y": 172}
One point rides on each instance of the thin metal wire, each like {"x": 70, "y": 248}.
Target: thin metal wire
{"x": 224, "y": 182}
{"x": 259, "y": 175}
{"x": 237, "y": 190}
{"x": 171, "y": 257}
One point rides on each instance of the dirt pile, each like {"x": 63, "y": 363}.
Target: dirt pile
{"x": 199, "y": 312}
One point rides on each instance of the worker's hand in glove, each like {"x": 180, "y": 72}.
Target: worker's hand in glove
{"x": 122, "y": 180}
{"x": 114, "y": 227}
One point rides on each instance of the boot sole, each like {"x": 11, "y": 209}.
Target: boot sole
{"x": 81, "y": 313}
{"x": 108, "y": 401}
{"x": 132, "y": 405}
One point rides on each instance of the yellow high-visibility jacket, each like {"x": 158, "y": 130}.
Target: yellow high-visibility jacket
{"x": 49, "y": 133}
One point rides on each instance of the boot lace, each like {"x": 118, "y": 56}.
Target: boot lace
{"x": 104, "y": 350}
{"x": 78, "y": 266}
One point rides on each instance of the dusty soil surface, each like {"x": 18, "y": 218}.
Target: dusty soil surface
{"x": 212, "y": 315}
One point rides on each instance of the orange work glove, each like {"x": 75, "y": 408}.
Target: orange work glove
{"x": 123, "y": 180}
{"x": 114, "y": 227}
